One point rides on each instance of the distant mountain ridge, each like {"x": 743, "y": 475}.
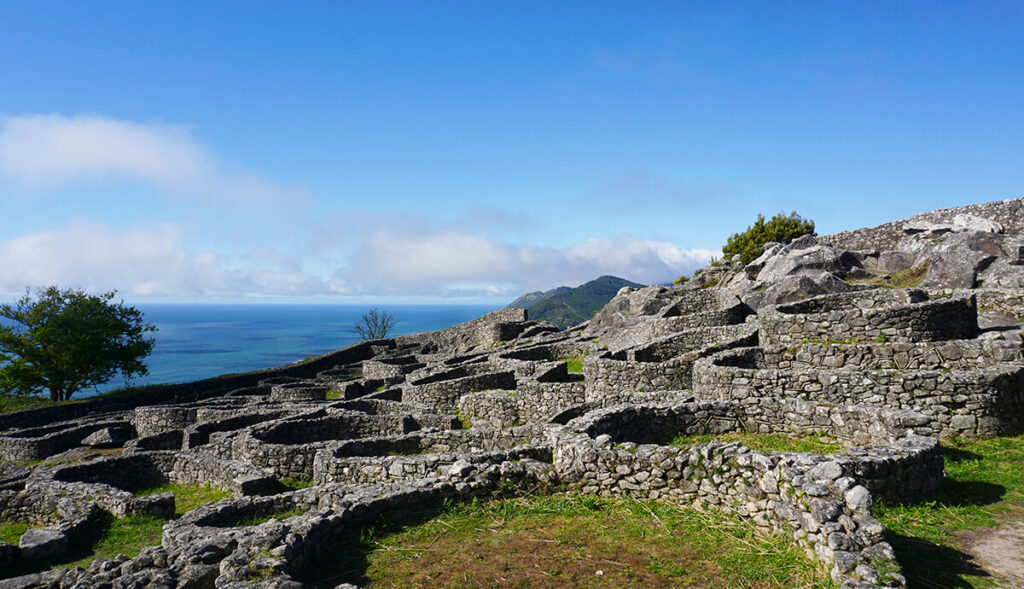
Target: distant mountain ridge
{"x": 565, "y": 306}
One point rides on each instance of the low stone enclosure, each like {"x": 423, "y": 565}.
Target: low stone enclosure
{"x": 491, "y": 409}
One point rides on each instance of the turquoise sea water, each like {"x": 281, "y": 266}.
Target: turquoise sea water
{"x": 202, "y": 341}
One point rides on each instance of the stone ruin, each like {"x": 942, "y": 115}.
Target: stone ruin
{"x": 490, "y": 408}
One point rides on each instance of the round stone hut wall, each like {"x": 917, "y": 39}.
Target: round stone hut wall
{"x": 884, "y": 315}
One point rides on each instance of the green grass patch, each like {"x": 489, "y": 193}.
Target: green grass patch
{"x": 909, "y": 278}
{"x": 766, "y": 442}
{"x": 333, "y": 394}
{"x": 565, "y": 541}
{"x": 710, "y": 283}
{"x": 128, "y": 536}
{"x": 106, "y": 536}
{"x": 257, "y": 520}
{"x": 10, "y": 532}
{"x": 186, "y": 497}
{"x": 11, "y": 403}
{"x": 103, "y": 537}
{"x": 984, "y": 487}
{"x": 574, "y": 364}
{"x": 294, "y": 484}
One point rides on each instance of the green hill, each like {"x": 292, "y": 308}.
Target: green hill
{"x": 565, "y": 307}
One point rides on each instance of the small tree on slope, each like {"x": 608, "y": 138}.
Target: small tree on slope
{"x": 374, "y": 324}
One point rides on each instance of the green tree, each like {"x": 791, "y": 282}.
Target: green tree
{"x": 374, "y": 324}
{"x": 64, "y": 340}
{"x": 780, "y": 228}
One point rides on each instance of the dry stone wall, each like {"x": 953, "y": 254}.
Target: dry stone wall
{"x": 886, "y": 315}
{"x": 975, "y": 403}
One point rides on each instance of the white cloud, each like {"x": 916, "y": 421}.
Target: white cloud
{"x": 50, "y": 151}
{"x": 447, "y": 262}
{"x": 148, "y": 261}
{"x": 155, "y": 261}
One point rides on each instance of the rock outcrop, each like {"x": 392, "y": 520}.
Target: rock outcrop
{"x": 965, "y": 247}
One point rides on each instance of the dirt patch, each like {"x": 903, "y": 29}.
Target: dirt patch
{"x": 999, "y": 551}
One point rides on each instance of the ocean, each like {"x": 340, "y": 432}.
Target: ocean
{"x": 201, "y": 341}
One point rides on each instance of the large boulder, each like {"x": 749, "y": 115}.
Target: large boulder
{"x": 956, "y": 260}
{"x": 41, "y": 543}
{"x": 107, "y": 436}
{"x": 629, "y": 306}
{"x": 788, "y": 273}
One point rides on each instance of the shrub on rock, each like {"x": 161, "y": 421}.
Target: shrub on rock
{"x": 781, "y": 228}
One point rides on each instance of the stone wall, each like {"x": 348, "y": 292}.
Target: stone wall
{"x": 533, "y": 401}
{"x": 441, "y": 392}
{"x": 178, "y": 393}
{"x": 38, "y": 443}
{"x": 1006, "y": 301}
{"x": 364, "y": 470}
{"x": 947, "y": 355}
{"x": 163, "y": 418}
{"x": 893, "y": 315}
{"x": 975, "y": 403}
{"x": 199, "y": 434}
{"x": 665, "y": 364}
{"x": 57, "y": 522}
{"x": 821, "y": 500}
{"x": 298, "y": 392}
{"x": 387, "y": 369}
{"x": 482, "y": 330}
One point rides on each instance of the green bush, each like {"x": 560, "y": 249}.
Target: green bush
{"x": 781, "y": 228}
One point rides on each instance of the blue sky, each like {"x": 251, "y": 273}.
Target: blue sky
{"x": 351, "y": 151}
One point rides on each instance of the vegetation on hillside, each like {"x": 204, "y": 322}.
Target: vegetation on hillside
{"x": 565, "y": 307}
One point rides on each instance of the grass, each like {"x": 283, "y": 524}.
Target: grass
{"x": 107, "y": 536}
{"x": 127, "y": 535}
{"x": 11, "y": 403}
{"x": 573, "y": 364}
{"x": 10, "y": 532}
{"x": 295, "y": 484}
{"x": 984, "y": 487}
{"x": 570, "y": 541}
{"x": 186, "y": 497}
{"x": 766, "y": 442}
{"x": 283, "y": 515}
{"x": 333, "y": 394}
{"x": 909, "y": 278}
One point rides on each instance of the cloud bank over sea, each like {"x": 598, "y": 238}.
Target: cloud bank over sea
{"x": 386, "y": 253}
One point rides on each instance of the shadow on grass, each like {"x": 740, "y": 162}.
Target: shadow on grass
{"x": 958, "y": 455}
{"x": 346, "y": 560}
{"x": 927, "y": 565}
{"x": 956, "y": 493}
